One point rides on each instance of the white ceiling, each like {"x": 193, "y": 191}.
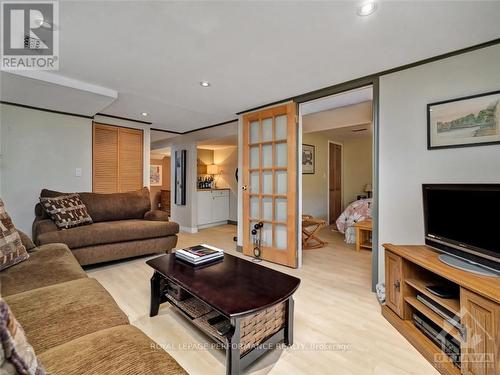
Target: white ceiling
{"x": 344, "y": 99}
{"x": 219, "y": 143}
{"x": 52, "y": 91}
{"x": 154, "y": 54}
{"x": 348, "y": 132}
{"x": 161, "y": 135}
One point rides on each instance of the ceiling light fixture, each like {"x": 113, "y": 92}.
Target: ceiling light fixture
{"x": 144, "y": 114}
{"x": 367, "y": 8}
{"x": 205, "y": 84}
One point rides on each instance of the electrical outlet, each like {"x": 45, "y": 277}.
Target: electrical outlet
{"x": 78, "y": 172}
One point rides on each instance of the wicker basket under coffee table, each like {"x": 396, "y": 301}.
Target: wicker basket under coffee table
{"x": 256, "y": 300}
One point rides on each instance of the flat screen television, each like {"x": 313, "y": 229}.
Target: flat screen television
{"x": 463, "y": 220}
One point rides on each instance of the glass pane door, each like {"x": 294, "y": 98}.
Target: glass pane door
{"x": 269, "y": 179}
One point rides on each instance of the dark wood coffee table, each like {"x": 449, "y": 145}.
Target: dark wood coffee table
{"x": 255, "y": 299}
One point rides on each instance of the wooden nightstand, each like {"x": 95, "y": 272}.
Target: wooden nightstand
{"x": 363, "y": 234}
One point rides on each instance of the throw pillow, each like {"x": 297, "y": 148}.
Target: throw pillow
{"x": 26, "y": 241}
{"x": 66, "y": 211}
{"x": 12, "y": 250}
{"x": 16, "y": 354}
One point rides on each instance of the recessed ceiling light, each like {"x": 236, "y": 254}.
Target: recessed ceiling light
{"x": 144, "y": 114}
{"x": 204, "y": 83}
{"x": 367, "y": 8}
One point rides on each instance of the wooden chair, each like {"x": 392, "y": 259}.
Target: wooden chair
{"x": 310, "y": 227}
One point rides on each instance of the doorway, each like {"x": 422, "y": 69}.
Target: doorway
{"x": 334, "y": 181}
{"x": 341, "y": 129}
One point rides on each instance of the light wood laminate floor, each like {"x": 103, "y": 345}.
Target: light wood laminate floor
{"x": 338, "y": 325}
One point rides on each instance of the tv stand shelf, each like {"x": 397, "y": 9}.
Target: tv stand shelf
{"x": 451, "y": 304}
{"x": 408, "y": 270}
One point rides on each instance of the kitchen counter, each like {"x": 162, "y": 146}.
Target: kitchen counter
{"x": 209, "y": 189}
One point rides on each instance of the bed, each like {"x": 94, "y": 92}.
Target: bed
{"x": 357, "y": 211}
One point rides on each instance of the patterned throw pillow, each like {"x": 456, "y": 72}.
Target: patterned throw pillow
{"x": 16, "y": 354}
{"x": 67, "y": 211}
{"x": 12, "y": 250}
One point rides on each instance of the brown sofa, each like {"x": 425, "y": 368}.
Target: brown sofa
{"x": 123, "y": 226}
{"x": 73, "y": 324}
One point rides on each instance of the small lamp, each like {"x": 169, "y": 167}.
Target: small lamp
{"x": 368, "y": 190}
{"x": 212, "y": 169}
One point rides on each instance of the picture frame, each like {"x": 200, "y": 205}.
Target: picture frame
{"x": 155, "y": 175}
{"x": 464, "y": 122}
{"x": 180, "y": 177}
{"x": 308, "y": 158}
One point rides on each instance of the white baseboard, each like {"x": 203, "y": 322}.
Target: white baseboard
{"x": 188, "y": 229}
{"x": 204, "y": 226}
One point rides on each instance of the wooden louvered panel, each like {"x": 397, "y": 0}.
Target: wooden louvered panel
{"x": 130, "y": 160}
{"x": 105, "y": 159}
{"x": 117, "y": 159}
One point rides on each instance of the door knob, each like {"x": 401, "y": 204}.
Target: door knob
{"x": 244, "y": 187}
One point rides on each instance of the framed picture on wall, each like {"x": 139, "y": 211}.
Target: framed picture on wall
{"x": 469, "y": 121}
{"x": 308, "y": 155}
{"x": 155, "y": 176}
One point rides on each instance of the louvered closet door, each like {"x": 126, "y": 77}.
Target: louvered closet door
{"x": 105, "y": 159}
{"x": 117, "y": 159}
{"x": 130, "y": 160}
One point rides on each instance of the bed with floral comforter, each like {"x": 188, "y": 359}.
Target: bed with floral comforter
{"x": 357, "y": 211}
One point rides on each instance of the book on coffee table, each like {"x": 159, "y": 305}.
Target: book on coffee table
{"x": 199, "y": 254}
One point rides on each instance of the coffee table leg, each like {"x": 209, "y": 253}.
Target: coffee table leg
{"x": 289, "y": 322}
{"x": 233, "y": 349}
{"x": 156, "y": 286}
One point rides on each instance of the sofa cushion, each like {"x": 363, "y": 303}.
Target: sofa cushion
{"x": 114, "y": 206}
{"x": 16, "y": 354}
{"x": 122, "y": 350}
{"x": 48, "y": 265}
{"x": 110, "y": 232}
{"x": 12, "y": 250}
{"x": 57, "y": 314}
{"x": 156, "y": 215}
{"x": 67, "y": 211}
{"x": 119, "y": 250}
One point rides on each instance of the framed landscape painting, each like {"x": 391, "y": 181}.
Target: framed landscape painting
{"x": 468, "y": 121}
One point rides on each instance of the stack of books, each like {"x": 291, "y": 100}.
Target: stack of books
{"x": 199, "y": 254}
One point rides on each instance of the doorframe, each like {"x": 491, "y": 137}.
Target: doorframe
{"x": 373, "y": 81}
{"x": 328, "y": 178}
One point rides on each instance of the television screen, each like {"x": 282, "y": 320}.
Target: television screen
{"x": 466, "y": 217}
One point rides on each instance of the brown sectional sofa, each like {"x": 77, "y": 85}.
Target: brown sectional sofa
{"x": 73, "y": 324}
{"x": 123, "y": 226}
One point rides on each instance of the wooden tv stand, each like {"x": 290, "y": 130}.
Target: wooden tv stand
{"x": 408, "y": 270}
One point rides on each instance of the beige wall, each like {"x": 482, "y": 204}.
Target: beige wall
{"x": 314, "y": 186}
{"x": 357, "y": 167}
{"x": 41, "y": 150}
{"x": 204, "y": 158}
{"x": 165, "y": 179}
{"x": 405, "y": 162}
{"x": 357, "y": 172}
{"x": 350, "y": 115}
{"x": 227, "y": 160}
